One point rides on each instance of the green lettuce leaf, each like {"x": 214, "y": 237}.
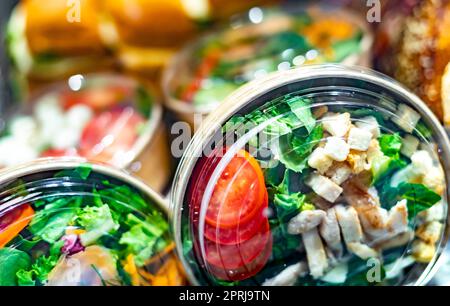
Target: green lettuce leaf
{"x": 293, "y": 150}
{"x": 12, "y": 261}
{"x": 145, "y": 237}
{"x": 97, "y": 221}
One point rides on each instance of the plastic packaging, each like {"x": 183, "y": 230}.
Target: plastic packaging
{"x": 68, "y": 222}
{"x": 321, "y": 175}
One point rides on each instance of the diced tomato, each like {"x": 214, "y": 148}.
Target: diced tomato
{"x": 246, "y": 271}
{"x": 99, "y": 98}
{"x": 238, "y": 255}
{"x": 110, "y": 133}
{"x": 13, "y": 222}
{"x": 72, "y": 152}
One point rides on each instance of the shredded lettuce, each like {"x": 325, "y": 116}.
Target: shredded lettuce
{"x": 97, "y": 221}
{"x": 383, "y": 166}
{"x": 293, "y": 150}
{"x": 144, "y": 237}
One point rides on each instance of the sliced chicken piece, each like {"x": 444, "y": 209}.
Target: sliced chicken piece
{"x": 430, "y": 232}
{"x": 330, "y": 232}
{"x": 373, "y": 217}
{"x": 361, "y": 250}
{"x": 396, "y": 241}
{"x": 348, "y": 221}
{"x": 288, "y": 276}
{"x": 315, "y": 253}
{"x": 305, "y": 221}
{"x": 398, "y": 218}
{"x": 324, "y": 187}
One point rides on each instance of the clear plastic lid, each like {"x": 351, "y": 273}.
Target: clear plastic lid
{"x": 72, "y": 223}
{"x": 263, "y": 41}
{"x": 316, "y": 176}
{"x": 104, "y": 118}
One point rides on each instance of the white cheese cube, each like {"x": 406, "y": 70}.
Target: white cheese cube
{"x": 359, "y": 139}
{"x": 336, "y": 148}
{"x": 406, "y": 118}
{"x": 324, "y": 187}
{"x": 336, "y": 124}
{"x": 319, "y": 160}
{"x": 369, "y": 124}
{"x": 409, "y": 145}
{"x": 341, "y": 174}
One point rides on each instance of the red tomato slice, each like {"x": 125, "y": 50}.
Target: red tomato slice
{"x": 13, "y": 222}
{"x": 110, "y": 133}
{"x": 246, "y": 271}
{"x": 242, "y": 232}
{"x": 239, "y": 193}
{"x": 99, "y": 98}
{"x": 72, "y": 152}
{"x": 239, "y": 255}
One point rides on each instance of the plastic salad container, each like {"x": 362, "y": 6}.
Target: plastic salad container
{"x": 262, "y": 41}
{"x": 71, "y": 223}
{"x": 102, "y": 117}
{"x": 321, "y": 175}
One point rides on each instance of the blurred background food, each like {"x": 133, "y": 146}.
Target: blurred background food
{"x": 257, "y": 43}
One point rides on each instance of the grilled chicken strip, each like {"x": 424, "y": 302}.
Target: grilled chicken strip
{"x": 288, "y": 276}
{"x": 330, "y": 232}
{"x": 348, "y": 221}
{"x": 305, "y": 221}
{"x": 315, "y": 253}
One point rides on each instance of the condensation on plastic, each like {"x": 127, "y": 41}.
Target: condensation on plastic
{"x": 93, "y": 264}
{"x": 336, "y": 87}
{"x": 257, "y": 22}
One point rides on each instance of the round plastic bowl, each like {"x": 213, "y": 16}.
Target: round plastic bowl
{"x": 321, "y": 175}
{"x": 71, "y": 223}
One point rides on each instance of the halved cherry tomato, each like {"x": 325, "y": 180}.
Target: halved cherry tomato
{"x": 13, "y": 222}
{"x": 99, "y": 98}
{"x": 238, "y": 255}
{"x": 72, "y": 152}
{"x": 238, "y": 195}
{"x": 110, "y": 133}
{"x": 246, "y": 271}
{"x": 242, "y": 232}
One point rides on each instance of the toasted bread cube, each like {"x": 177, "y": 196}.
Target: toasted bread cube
{"x": 409, "y": 145}
{"x": 369, "y": 124}
{"x": 319, "y": 160}
{"x": 324, "y": 187}
{"x": 407, "y": 118}
{"x": 336, "y": 148}
{"x": 337, "y": 124}
{"x": 359, "y": 139}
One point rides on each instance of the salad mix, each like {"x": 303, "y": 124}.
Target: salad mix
{"x": 76, "y": 226}
{"x": 332, "y": 194}
{"x": 100, "y": 118}
{"x": 223, "y": 61}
